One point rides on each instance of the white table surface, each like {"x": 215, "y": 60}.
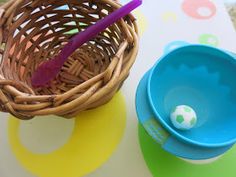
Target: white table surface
{"x": 161, "y": 22}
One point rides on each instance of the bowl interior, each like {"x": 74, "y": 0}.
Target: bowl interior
{"x": 203, "y": 78}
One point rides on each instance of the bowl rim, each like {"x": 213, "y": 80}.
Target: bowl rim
{"x": 172, "y": 131}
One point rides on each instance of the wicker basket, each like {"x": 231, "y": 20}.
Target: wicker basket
{"x": 32, "y": 31}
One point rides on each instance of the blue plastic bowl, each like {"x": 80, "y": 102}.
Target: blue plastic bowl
{"x": 203, "y": 78}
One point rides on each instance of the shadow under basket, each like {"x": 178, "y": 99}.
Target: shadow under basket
{"x": 33, "y": 31}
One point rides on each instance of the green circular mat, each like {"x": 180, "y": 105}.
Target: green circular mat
{"x": 163, "y": 164}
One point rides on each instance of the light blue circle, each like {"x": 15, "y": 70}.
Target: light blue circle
{"x": 174, "y": 45}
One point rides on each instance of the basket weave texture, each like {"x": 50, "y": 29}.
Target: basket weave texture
{"x": 33, "y": 31}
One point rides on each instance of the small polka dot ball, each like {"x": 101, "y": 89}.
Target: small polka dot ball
{"x": 183, "y": 117}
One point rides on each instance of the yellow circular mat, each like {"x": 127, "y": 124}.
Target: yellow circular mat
{"x": 94, "y": 138}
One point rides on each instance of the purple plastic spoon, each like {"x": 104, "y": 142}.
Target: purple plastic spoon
{"x": 49, "y": 69}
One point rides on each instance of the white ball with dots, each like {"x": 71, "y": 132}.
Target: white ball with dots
{"x": 183, "y": 117}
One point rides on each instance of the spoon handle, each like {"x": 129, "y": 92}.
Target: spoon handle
{"x": 95, "y": 29}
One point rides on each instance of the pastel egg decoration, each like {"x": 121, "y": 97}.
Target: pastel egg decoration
{"x": 169, "y": 17}
{"x": 208, "y": 39}
{"x": 199, "y": 9}
{"x": 183, "y": 117}
{"x": 141, "y": 20}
